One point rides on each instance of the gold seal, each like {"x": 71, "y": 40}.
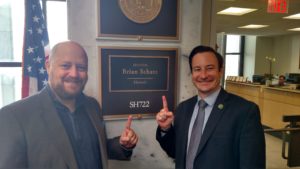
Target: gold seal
{"x": 140, "y": 11}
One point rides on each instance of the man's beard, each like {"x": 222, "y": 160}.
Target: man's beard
{"x": 63, "y": 94}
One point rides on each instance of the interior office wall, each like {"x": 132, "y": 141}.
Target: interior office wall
{"x": 219, "y": 44}
{"x": 282, "y": 52}
{"x": 208, "y": 28}
{"x": 82, "y": 21}
{"x": 264, "y": 47}
{"x": 220, "y": 41}
{"x": 295, "y": 54}
{"x": 249, "y": 56}
{"x": 286, "y": 50}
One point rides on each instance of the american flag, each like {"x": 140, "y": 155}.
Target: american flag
{"x": 35, "y": 49}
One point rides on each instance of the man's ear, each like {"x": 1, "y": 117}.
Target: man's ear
{"x": 221, "y": 71}
{"x": 47, "y": 65}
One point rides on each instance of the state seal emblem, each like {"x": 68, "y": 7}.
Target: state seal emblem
{"x": 140, "y": 11}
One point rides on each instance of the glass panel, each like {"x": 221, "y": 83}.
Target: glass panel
{"x": 233, "y": 43}
{"x": 57, "y": 21}
{"x": 11, "y": 41}
{"x": 18, "y": 12}
{"x": 232, "y": 65}
{"x": 5, "y": 33}
{"x": 11, "y": 30}
{"x": 10, "y": 89}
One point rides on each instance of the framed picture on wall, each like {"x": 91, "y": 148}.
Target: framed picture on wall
{"x": 138, "y": 19}
{"x": 133, "y": 80}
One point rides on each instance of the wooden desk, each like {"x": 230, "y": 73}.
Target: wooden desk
{"x": 273, "y": 102}
{"x": 278, "y": 102}
{"x": 248, "y": 91}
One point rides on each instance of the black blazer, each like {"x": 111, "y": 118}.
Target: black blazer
{"x": 33, "y": 136}
{"x": 233, "y": 137}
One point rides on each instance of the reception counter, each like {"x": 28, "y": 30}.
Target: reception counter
{"x": 274, "y": 102}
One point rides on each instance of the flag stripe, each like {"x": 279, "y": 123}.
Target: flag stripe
{"x": 25, "y": 86}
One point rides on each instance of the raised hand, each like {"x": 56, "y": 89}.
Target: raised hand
{"x": 128, "y": 137}
{"x": 164, "y": 118}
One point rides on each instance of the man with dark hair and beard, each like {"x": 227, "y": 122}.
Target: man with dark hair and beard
{"x": 60, "y": 127}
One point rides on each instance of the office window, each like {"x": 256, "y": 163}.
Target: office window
{"x": 11, "y": 42}
{"x": 57, "y": 21}
{"x": 234, "y": 55}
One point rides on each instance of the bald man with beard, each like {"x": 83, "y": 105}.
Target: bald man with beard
{"x": 60, "y": 127}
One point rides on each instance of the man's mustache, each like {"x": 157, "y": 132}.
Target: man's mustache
{"x": 74, "y": 80}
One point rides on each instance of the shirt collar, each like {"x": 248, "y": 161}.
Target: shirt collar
{"x": 211, "y": 99}
{"x": 58, "y": 104}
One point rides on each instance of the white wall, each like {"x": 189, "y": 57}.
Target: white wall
{"x": 82, "y": 20}
{"x": 249, "y": 56}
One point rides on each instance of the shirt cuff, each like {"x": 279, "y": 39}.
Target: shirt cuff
{"x": 127, "y": 149}
{"x": 164, "y": 132}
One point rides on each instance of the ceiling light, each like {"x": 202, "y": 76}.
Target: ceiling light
{"x": 236, "y": 11}
{"x": 295, "y": 16}
{"x": 253, "y": 26}
{"x": 294, "y": 29}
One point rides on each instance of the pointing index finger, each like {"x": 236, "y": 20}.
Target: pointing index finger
{"x": 165, "y": 103}
{"x": 128, "y": 123}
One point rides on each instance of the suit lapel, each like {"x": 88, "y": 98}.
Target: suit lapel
{"x": 56, "y": 129}
{"x": 213, "y": 119}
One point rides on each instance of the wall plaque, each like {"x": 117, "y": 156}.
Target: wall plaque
{"x": 138, "y": 19}
{"x": 133, "y": 80}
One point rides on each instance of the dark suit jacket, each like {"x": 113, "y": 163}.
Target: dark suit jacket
{"x": 233, "y": 137}
{"x": 33, "y": 136}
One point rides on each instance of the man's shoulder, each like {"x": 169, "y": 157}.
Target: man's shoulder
{"x": 90, "y": 99}
{"x": 24, "y": 105}
{"x": 239, "y": 100}
{"x": 188, "y": 101}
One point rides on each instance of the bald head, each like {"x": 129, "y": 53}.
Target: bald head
{"x": 70, "y": 47}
